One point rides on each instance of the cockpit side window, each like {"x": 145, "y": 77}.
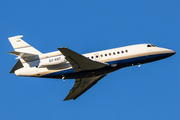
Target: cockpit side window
{"x": 148, "y": 45}
{"x": 151, "y": 45}
{"x": 154, "y": 45}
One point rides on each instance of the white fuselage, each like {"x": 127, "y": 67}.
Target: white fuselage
{"x": 55, "y": 65}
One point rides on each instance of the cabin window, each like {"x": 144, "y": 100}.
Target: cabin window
{"x": 96, "y": 56}
{"x": 122, "y": 51}
{"x": 109, "y": 53}
{"x": 101, "y": 55}
{"x": 118, "y": 52}
{"x": 126, "y": 50}
{"x": 105, "y": 54}
{"x": 114, "y": 53}
{"x": 92, "y": 57}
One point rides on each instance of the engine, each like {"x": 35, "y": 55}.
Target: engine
{"x": 43, "y": 63}
{"x": 52, "y": 61}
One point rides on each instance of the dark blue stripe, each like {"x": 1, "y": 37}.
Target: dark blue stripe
{"x": 120, "y": 64}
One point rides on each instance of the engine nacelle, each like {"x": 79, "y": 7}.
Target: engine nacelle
{"x": 52, "y": 61}
{"x": 30, "y": 71}
{"x": 26, "y": 71}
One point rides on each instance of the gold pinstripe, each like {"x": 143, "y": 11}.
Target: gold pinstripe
{"x": 51, "y": 71}
{"x": 22, "y": 46}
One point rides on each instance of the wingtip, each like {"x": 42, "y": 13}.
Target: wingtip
{"x": 66, "y": 99}
{"x": 15, "y": 37}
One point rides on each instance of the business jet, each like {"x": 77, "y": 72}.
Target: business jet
{"x": 86, "y": 69}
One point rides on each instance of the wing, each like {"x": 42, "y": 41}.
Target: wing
{"x": 81, "y": 86}
{"x": 79, "y": 62}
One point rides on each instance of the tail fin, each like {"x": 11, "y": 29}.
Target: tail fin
{"x": 21, "y": 46}
{"x": 24, "y": 51}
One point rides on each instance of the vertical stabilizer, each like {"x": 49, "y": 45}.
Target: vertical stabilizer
{"x": 21, "y": 46}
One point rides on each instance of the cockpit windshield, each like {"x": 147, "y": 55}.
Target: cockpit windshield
{"x": 151, "y": 45}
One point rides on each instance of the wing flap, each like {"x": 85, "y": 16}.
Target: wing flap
{"x": 79, "y": 62}
{"x": 81, "y": 86}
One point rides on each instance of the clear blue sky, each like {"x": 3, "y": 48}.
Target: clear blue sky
{"x": 151, "y": 92}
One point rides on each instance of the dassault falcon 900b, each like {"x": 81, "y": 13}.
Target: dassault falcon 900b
{"x": 86, "y": 69}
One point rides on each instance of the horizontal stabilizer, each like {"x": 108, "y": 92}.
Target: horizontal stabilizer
{"x": 22, "y": 54}
{"x": 79, "y": 62}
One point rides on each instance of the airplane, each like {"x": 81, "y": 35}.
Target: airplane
{"x": 86, "y": 69}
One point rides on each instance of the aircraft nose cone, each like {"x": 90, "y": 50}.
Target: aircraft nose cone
{"x": 172, "y": 52}
{"x": 167, "y": 53}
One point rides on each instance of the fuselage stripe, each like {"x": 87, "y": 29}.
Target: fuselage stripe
{"x": 51, "y": 71}
{"x": 109, "y": 60}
